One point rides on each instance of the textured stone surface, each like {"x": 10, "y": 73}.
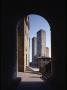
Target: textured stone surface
{"x": 29, "y": 76}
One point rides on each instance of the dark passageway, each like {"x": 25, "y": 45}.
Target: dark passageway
{"x": 54, "y": 12}
{"x": 36, "y": 86}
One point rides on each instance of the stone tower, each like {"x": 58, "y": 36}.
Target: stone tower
{"x": 34, "y": 49}
{"x": 41, "y": 42}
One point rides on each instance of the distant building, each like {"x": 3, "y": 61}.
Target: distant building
{"x": 46, "y": 50}
{"x": 44, "y": 64}
{"x": 41, "y": 42}
{"x": 34, "y": 49}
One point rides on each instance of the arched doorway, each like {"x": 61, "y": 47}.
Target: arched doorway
{"x": 28, "y": 51}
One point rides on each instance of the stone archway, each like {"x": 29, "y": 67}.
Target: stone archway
{"x": 56, "y": 44}
{"x": 55, "y": 14}
{"x": 21, "y": 28}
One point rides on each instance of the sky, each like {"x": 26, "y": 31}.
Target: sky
{"x": 36, "y": 23}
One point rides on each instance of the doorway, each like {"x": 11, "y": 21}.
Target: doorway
{"x": 32, "y": 43}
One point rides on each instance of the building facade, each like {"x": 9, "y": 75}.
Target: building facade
{"x": 41, "y": 42}
{"x": 23, "y": 44}
{"x": 46, "y": 52}
{"x": 34, "y": 49}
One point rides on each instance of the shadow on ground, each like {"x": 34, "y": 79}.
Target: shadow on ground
{"x": 36, "y": 86}
{"x": 48, "y": 85}
{"x": 34, "y": 77}
{"x": 33, "y": 72}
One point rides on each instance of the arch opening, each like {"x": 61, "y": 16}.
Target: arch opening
{"x": 33, "y": 46}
